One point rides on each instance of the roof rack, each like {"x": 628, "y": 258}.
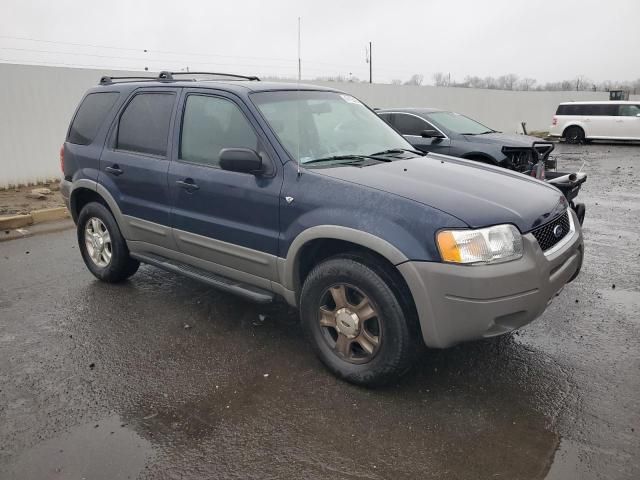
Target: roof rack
{"x": 165, "y": 76}
{"x": 107, "y": 80}
{"x": 169, "y": 75}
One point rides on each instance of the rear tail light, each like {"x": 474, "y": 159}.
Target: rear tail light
{"x": 554, "y": 121}
{"x": 62, "y": 158}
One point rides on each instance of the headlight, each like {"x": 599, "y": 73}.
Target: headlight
{"x": 485, "y": 245}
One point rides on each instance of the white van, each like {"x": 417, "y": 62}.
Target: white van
{"x": 580, "y": 121}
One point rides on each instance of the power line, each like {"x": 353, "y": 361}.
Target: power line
{"x": 349, "y": 67}
{"x": 144, "y": 59}
{"x": 146, "y": 50}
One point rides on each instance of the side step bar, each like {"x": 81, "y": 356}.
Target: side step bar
{"x": 249, "y": 292}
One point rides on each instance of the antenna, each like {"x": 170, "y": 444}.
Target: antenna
{"x": 298, "y": 99}
{"x": 299, "y": 60}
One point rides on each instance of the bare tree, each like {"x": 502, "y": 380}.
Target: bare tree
{"x": 396, "y": 81}
{"x": 508, "y": 81}
{"x": 441, "y": 79}
{"x": 491, "y": 83}
{"x": 475, "y": 82}
{"x": 526, "y": 83}
{"x": 416, "y": 79}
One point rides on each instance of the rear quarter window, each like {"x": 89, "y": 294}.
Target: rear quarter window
{"x": 90, "y": 117}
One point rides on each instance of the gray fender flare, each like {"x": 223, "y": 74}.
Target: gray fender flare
{"x": 288, "y": 267}
{"x": 104, "y": 193}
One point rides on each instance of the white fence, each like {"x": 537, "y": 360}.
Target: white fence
{"x": 37, "y": 102}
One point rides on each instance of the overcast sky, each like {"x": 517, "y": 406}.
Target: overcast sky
{"x": 547, "y": 40}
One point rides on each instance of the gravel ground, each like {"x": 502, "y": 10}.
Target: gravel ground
{"x": 15, "y": 201}
{"x": 162, "y": 377}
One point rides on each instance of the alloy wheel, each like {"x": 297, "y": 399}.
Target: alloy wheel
{"x": 98, "y": 242}
{"x": 350, "y": 323}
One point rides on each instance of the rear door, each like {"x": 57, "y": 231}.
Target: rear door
{"x": 601, "y": 120}
{"x": 134, "y": 165}
{"x": 629, "y": 118}
{"x": 411, "y": 127}
{"x": 228, "y": 219}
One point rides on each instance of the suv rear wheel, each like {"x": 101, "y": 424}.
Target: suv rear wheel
{"x": 103, "y": 247}
{"x": 574, "y": 135}
{"x": 355, "y": 322}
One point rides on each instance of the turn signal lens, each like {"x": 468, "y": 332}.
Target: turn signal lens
{"x": 496, "y": 244}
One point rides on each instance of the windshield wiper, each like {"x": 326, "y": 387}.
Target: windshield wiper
{"x": 398, "y": 150}
{"x": 481, "y": 133}
{"x": 354, "y": 158}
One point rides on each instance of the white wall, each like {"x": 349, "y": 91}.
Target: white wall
{"x": 499, "y": 109}
{"x": 37, "y": 102}
{"x": 36, "y": 105}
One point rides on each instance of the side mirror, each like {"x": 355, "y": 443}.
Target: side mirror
{"x": 242, "y": 160}
{"x": 431, "y": 134}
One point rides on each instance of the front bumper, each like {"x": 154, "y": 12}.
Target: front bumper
{"x": 457, "y": 303}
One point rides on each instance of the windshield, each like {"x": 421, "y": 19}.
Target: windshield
{"x": 314, "y": 125}
{"x": 459, "y": 123}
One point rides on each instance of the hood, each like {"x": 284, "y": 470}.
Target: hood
{"x": 479, "y": 195}
{"x": 503, "y": 139}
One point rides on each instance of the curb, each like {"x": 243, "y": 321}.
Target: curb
{"x": 41, "y": 228}
{"x": 36, "y": 216}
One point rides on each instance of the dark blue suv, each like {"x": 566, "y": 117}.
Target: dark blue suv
{"x": 273, "y": 190}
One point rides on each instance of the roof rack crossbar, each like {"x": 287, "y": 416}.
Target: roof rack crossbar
{"x": 109, "y": 79}
{"x": 169, "y": 75}
{"x": 166, "y": 76}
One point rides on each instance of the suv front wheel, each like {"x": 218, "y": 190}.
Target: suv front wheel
{"x": 103, "y": 247}
{"x": 356, "y": 322}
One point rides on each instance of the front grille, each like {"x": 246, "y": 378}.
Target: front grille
{"x": 545, "y": 234}
{"x": 520, "y": 159}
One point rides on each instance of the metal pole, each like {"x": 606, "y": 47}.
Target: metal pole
{"x": 299, "y": 61}
{"x": 370, "y": 64}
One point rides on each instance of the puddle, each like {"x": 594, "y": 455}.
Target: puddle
{"x": 565, "y": 463}
{"x": 102, "y": 450}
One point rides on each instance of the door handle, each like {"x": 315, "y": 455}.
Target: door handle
{"x": 188, "y": 185}
{"x": 114, "y": 170}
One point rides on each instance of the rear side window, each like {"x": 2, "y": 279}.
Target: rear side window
{"x": 144, "y": 124}
{"x": 90, "y": 117}
{"x": 596, "y": 109}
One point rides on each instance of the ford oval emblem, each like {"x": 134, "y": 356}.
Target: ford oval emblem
{"x": 557, "y": 231}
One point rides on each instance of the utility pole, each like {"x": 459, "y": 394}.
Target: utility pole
{"x": 370, "y": 64}
{"x": 299, "y": 60}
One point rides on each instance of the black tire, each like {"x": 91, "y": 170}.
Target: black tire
{"x": 574, "y": 135}
{"x": 396, "y": 327}
{"x": 120, "y": 266}
{"x": 581, "y": 211}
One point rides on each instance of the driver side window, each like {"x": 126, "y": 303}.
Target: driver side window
{"x": 629, "y": 110}
{"x": 211, "y": 124}
{"x": 411, "y": 125}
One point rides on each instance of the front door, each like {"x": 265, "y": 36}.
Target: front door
{"x": 629, "y": 116}
{"x": 227, "y": 219}
{"x": 135, "y": 162}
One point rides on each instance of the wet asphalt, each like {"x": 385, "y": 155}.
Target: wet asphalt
{"x": 162, "y": 377}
